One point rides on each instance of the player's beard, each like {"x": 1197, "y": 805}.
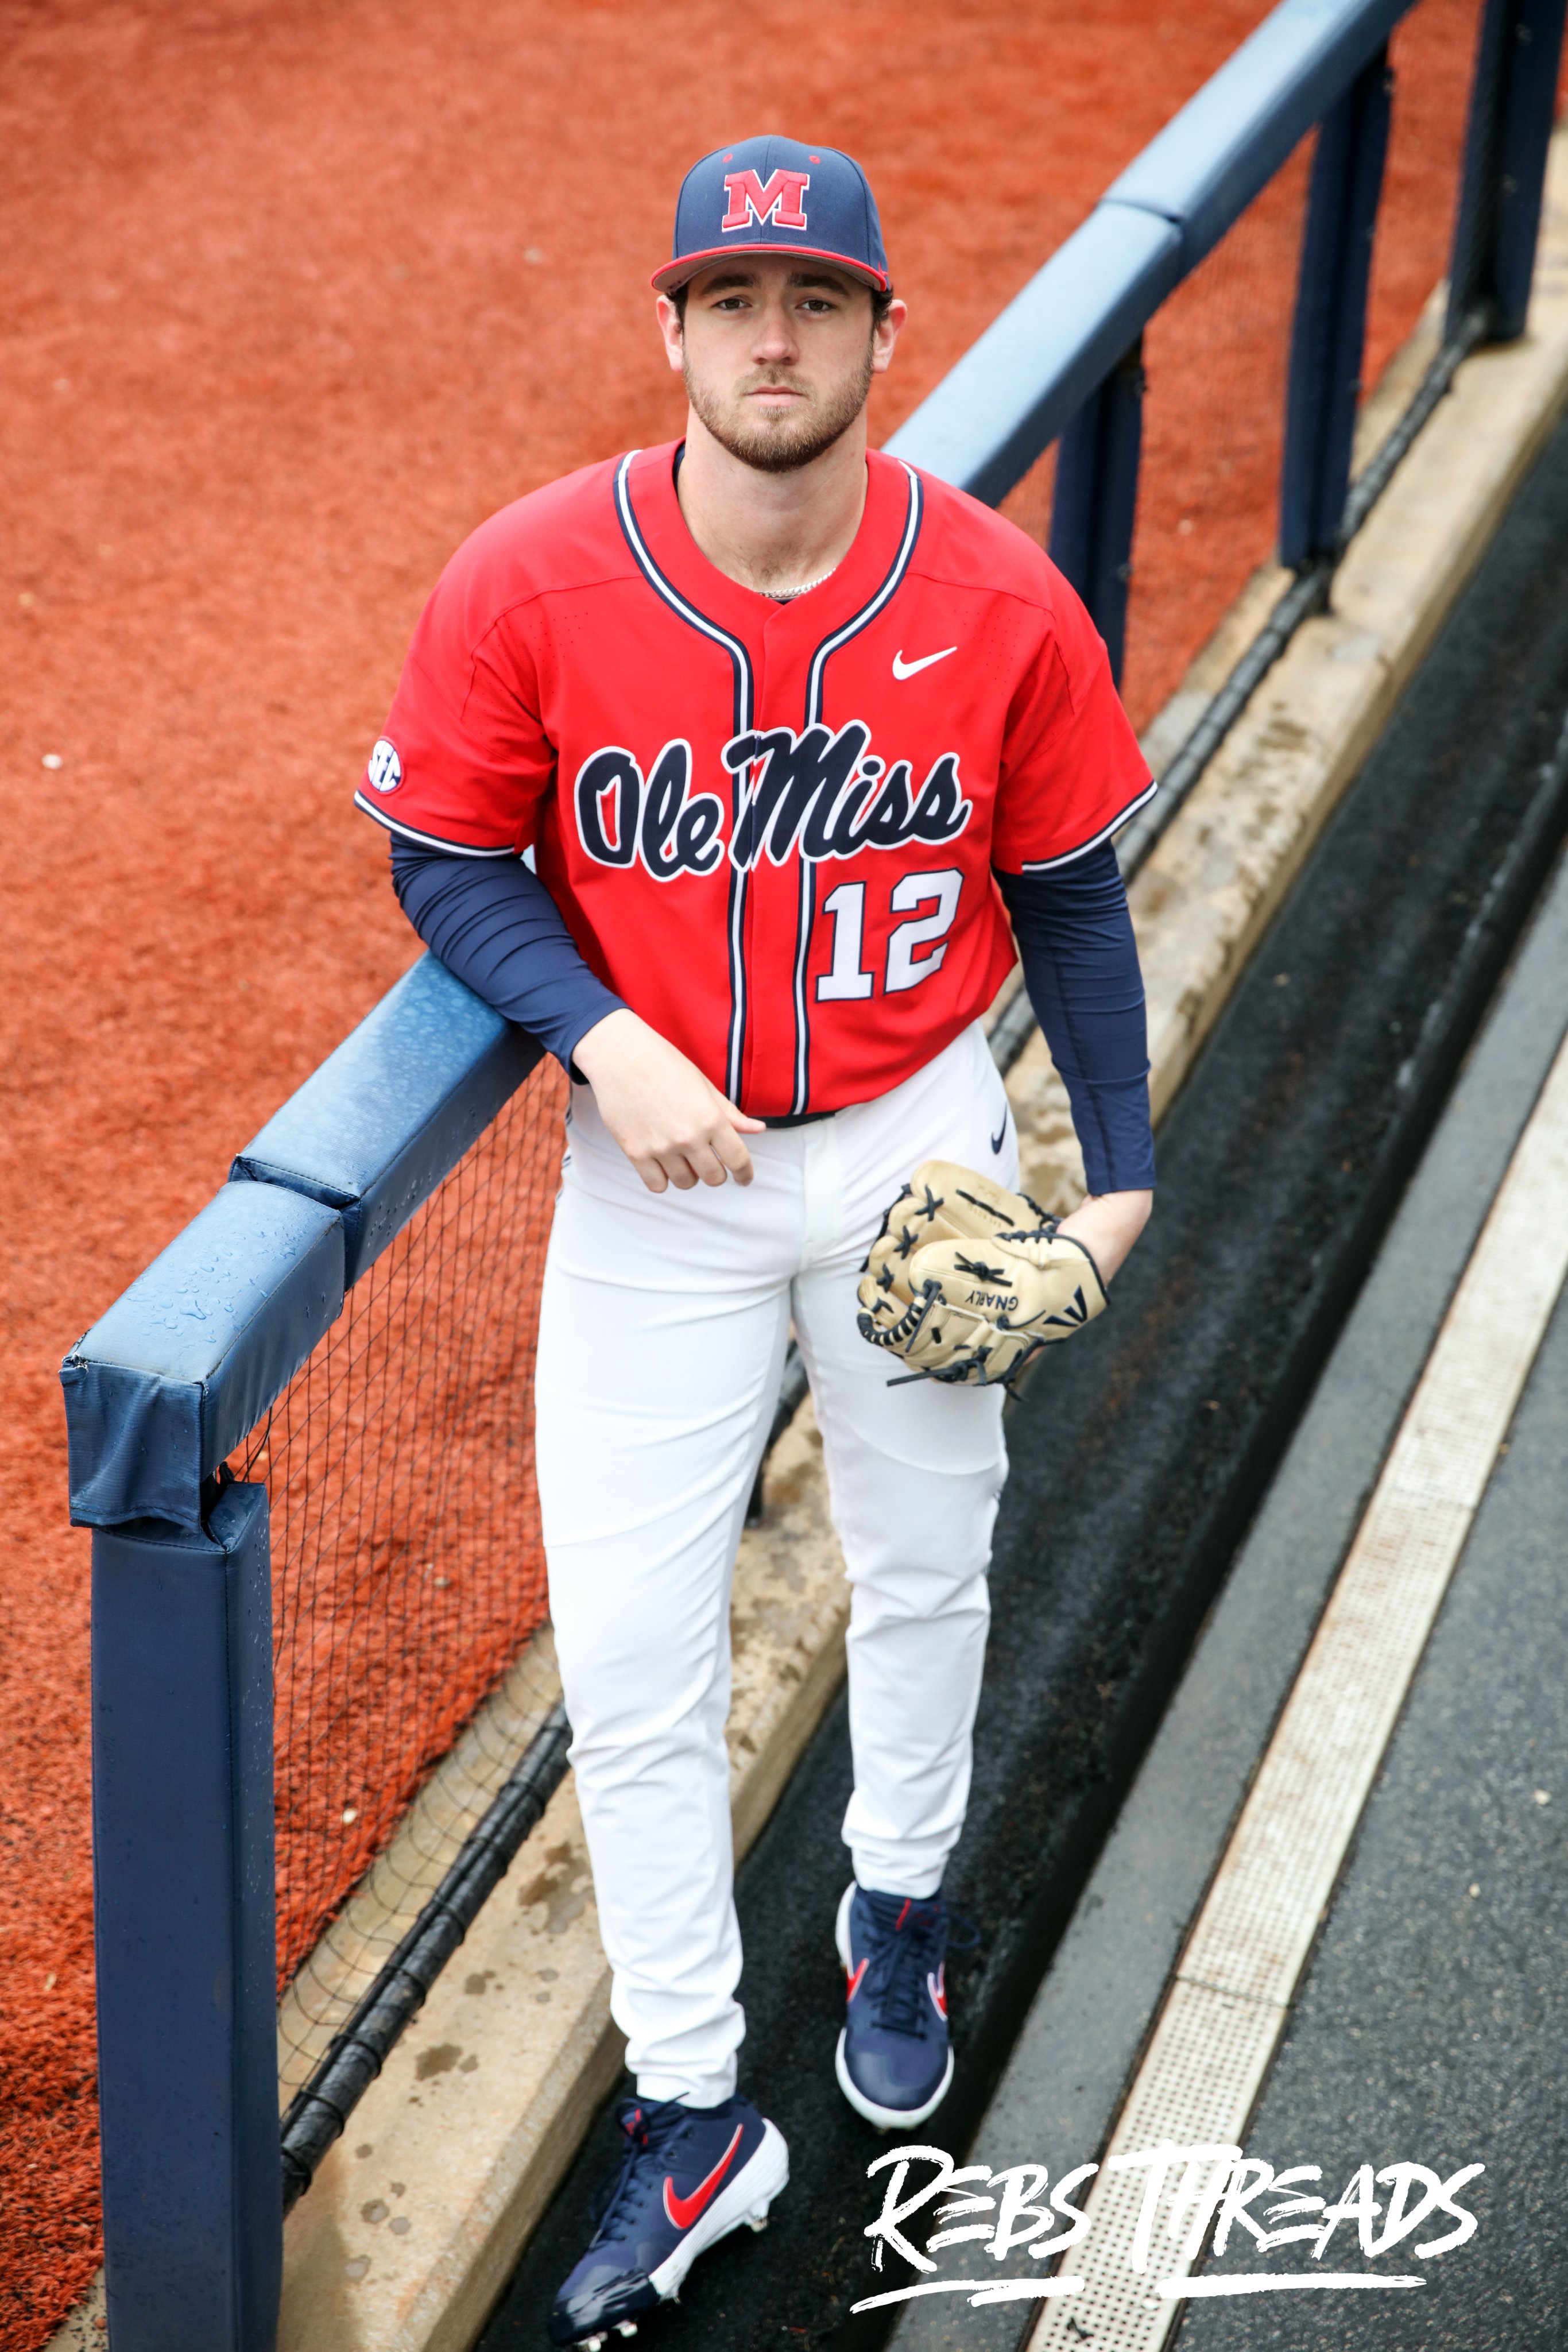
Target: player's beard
{"x": 780, "y": 441}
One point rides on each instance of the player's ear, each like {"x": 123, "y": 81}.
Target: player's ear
{"x": 672, "y": 326}
{"x": 885, "y": 334}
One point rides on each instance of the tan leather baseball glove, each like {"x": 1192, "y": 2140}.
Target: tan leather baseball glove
{"x": 966, "y": 1281}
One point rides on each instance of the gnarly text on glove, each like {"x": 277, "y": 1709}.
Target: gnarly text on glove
{"x": 967, "y": 1280}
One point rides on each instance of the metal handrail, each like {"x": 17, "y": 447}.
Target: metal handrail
{"x": 1018, "y": 387}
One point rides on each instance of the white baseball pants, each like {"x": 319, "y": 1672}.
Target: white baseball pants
{"x": 661, "y": 1339}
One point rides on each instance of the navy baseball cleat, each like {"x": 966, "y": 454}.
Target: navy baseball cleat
{"x": 893, "y": 2060}
{"x": 688, "y": 2176}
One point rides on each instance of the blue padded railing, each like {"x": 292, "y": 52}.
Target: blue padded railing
{"x": 167, "y": 1383}
{"x": 157, "y": 1394}
{"x": 1062, "y": 362}
{"x": 1017, "y": 389}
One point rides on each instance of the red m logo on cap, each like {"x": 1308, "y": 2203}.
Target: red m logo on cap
{"x": 779, "y": 201}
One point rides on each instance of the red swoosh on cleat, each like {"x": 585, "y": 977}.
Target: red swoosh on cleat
{"x": 852, "y": 1978}
{"x": 683, "y": 2210}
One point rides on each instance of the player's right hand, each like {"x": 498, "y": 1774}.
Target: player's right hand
{"x": 673, "y": 1124}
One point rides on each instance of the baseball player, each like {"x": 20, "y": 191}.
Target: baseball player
{"x": 741, "y": 770}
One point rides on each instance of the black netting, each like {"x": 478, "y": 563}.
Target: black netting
{"x": 408, "y": 1574}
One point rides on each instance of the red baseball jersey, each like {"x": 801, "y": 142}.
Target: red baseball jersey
{"x": 772, "y": 827}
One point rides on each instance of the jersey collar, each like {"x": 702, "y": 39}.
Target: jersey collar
{"x": 885, "y": 530}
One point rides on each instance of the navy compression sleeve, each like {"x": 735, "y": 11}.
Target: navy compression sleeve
{"x": 494, "y": 924}
{"x": 1079, "y": 964}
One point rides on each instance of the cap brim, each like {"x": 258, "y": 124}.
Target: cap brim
{"x": 692, "y": 265}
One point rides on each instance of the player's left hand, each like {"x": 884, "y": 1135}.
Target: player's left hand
{"x": 967, "y": 1280}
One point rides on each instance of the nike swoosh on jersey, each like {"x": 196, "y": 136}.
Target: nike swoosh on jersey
{"x": 683, "y": 2210}
{"x": 901, "y": 668}
{"x": 1001, "y": 1134}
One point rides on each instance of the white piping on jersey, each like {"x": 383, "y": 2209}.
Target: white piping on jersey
{"x": 744, "y": 704}
{"x": 743, "y": 697}
{"x": 868, "y": 613}
{"x": 429, "y": 840}
{"x": 806, "y": 916}
{"x": 1048, "y": 864}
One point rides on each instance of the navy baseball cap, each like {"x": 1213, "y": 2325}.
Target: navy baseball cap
{"x": 775, "y": 195}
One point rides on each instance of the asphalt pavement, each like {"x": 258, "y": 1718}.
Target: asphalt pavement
{"x": 1433, "y": 2024}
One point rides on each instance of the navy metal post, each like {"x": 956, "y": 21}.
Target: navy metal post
{"x": 1329, "y": 333}
{"x": 1512, "y": 103}
{"x": 182, "y": 1876}
{"x": 1095, "y": 502}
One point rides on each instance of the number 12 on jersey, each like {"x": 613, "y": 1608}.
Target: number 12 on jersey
{"x": 905, "y": 969}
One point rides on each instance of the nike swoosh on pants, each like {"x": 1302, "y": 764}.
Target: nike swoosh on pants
{"x": 1000, "y": 1136}
{"x": 683, "y": 2210}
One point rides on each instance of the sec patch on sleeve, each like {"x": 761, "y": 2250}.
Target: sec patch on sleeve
{"x": 384, "y": 773}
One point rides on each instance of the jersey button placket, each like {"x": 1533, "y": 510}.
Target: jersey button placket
{"x": 760, "y": 1012}
{"x": 770, "y": 902}
{"x": 788, "y": 634}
